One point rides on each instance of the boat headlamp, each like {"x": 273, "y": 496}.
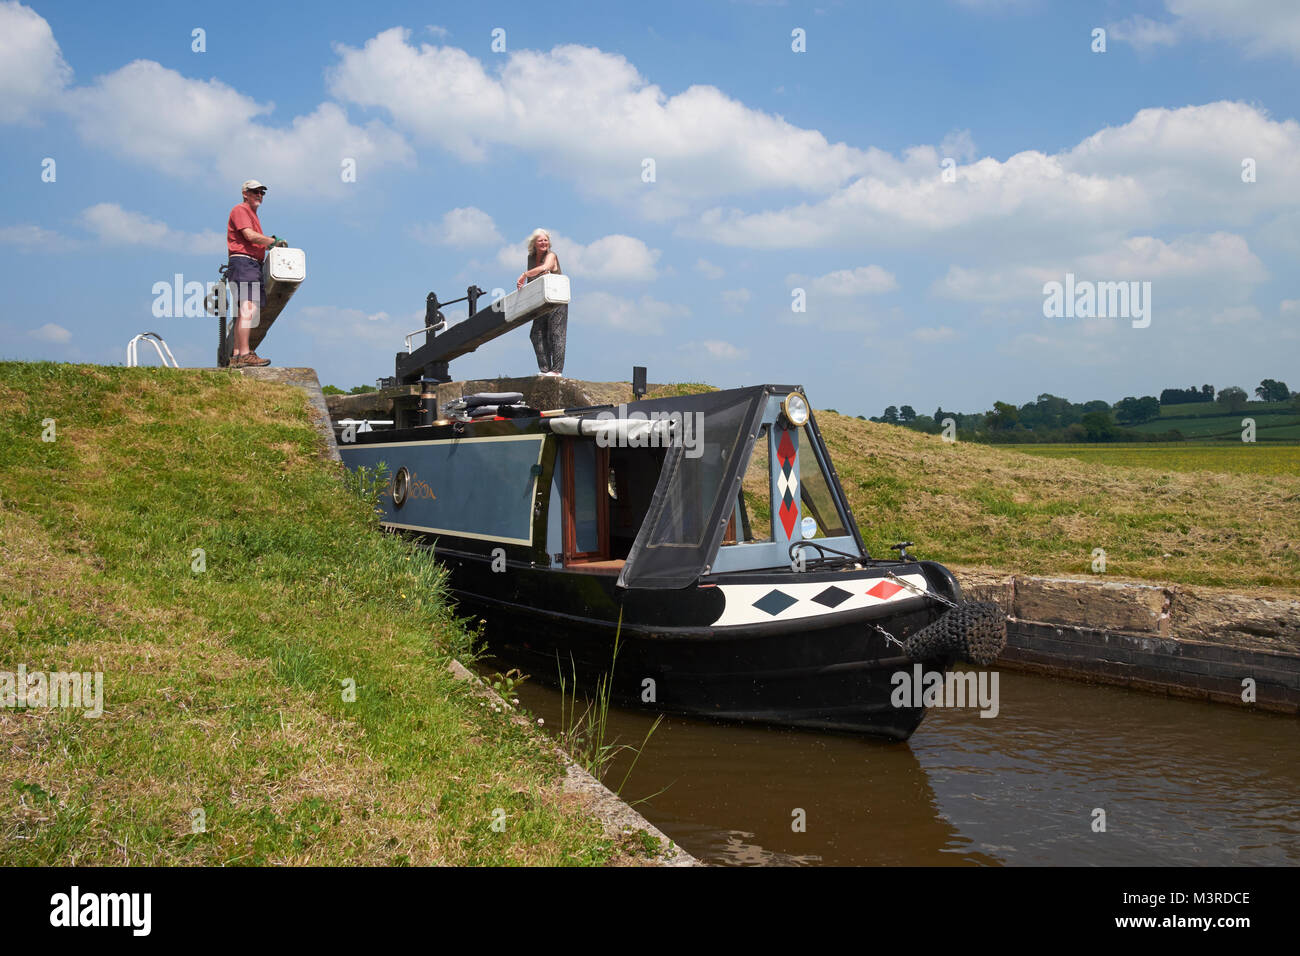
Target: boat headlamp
{"x": 795, "y": 408}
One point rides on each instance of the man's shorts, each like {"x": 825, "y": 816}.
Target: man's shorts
{"x": 245, "y": 278}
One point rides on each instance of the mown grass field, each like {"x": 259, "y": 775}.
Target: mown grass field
{"x": 1238, "y": 457}
{"x": 1189, "y": 514}
{"x": 224, "y": 687}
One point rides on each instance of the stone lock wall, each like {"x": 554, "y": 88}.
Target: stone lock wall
{"x": 1192, "y": 642}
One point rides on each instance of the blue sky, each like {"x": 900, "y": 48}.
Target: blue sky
{"x": 775, "y": 171}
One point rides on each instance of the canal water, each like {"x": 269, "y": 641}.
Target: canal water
{"x": 1179, "y": 782}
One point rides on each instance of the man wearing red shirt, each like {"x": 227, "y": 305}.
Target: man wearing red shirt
{"x": 247, "y": 247}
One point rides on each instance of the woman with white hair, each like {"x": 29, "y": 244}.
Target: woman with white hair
{"x": 549, "y": 327}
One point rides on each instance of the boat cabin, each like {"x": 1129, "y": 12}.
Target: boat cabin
{"x": 658, "y": 492}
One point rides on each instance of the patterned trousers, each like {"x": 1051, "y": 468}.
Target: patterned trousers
{"x": 548, "y": 338}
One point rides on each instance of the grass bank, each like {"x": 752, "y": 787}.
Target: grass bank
{"x": 228, "y": 735}
{"x": 1211, "y": 523}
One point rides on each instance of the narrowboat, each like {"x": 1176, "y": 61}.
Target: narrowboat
{"x": 707, "y": 533}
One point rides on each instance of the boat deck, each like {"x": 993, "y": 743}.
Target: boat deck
{"x": 612, "y": 566}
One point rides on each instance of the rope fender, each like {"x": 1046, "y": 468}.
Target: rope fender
{"x": 975, "y": 631}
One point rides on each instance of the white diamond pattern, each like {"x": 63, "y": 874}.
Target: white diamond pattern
{"x": 791, "y": 483}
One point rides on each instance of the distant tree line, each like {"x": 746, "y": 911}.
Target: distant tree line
{"x": 1187, "y": 396}
{"x": 1051, "y": 418}
{"x": 1271, "y": 390}
{"x": 355, "y": 390}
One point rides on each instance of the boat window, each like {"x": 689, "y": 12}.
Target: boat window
{"x": 586, "y": 521}
{"x": 756, "y": 494}
{"x": 815, "y": 491}
{"x": 692, "y": 497}
{"x": 696, "y": 496}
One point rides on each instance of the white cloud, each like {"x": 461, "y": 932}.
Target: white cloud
{"x": 114, "y": 225}
{"x": 203, "y": 128}
{"x": 590, "y": 116}
{"x": 996, "y": 285}
{"x": 1290, "y": 307}
{"x": 336, "y": 325}
{"x": 1143, "y": 33}
{"x": 29, "y": 236}
{"x": 864, "y": 280}
{"x": 1235, "y": 314}
{"x": 931, "y": 335}
{"x": 1176, "y": 166}
{"x": 735, "y": 300}
{"x": 707, "y": 269}
{"x": 1222, "y": 258}
{"x": 468, "y": 226}
{"x": 49, "y": 332}
{"x": 833, "y": 314}
{"x": 644, "y": 316}
{"x": 33, "y": 72}
{"x": 1192, "y": 256}
{"x": 714, "y": 348}
{"x": 959, "y": 146}
{"x": 614, "y": 258}
{"x": 1263, "y": 27}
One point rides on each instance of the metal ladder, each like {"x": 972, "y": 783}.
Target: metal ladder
{"x": 154, "y": 339}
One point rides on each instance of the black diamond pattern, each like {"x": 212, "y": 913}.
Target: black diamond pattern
{"x": 832, "y": 597}
{"x": 774, "y": 602}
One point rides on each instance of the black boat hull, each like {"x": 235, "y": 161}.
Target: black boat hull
{"x": 830, "y": 672}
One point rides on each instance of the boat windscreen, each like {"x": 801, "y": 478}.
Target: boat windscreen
{"x": 696, "y": 492}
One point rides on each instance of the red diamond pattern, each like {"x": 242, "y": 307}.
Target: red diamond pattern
{"x": 885, "y": 590}
{"x": 785, "y": 450}
{"x": 788, "y": 512}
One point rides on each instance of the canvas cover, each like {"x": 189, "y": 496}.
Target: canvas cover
{"x": 695, "y": 495}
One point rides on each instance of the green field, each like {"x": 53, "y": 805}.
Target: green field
{"x": 1269, "y": 426}
{"x": 1229, "y": 457}
{"x": 1212, "y": 409}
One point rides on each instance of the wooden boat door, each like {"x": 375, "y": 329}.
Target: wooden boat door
{"x": 585, "y": 475}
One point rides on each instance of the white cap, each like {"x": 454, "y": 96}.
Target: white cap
{"x": 251, "y": 184}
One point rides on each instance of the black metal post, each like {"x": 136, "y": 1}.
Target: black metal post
{"x": 471, "y": 295}
{"x": 428, "y": 401}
